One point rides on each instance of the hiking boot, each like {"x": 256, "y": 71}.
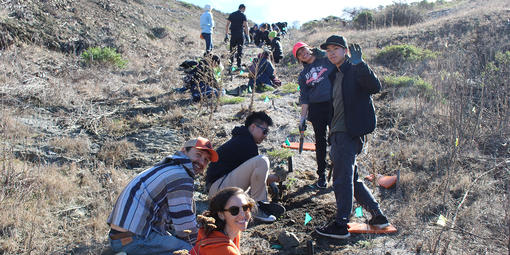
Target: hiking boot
{"x": 334, "y": 230}
{"x": 379, "y": 221}
{"x": 321, "y": 183}
{"x": 233, "y": 92}
{"x": 263, "y": 216}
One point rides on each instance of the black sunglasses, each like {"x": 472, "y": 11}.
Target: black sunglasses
{"x": 234, "y": 210}
{"x": 264, "y": 130}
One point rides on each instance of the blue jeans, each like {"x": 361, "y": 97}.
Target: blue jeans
{"x": 346, "y": 185}
{"x": 155, "y": 243}
{"x": 208, "y": 41}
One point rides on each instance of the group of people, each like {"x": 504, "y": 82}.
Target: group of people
{"x": 155, "y": 213}
{"x": 238, "y": 34}
{"x": 267, "y": 34}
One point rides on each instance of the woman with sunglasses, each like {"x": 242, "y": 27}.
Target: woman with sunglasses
{"x": 315, "y": 99}
{"x": 228, "y": 215}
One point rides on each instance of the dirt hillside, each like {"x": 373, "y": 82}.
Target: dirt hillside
{"x": 73, "y": 133}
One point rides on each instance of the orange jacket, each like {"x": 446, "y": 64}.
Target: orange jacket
{"x": 216, "y": 243}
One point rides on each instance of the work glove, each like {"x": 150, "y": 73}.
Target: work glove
{"x": 302, "y": 124}
{"x": 356, "y": 54}
{"x": 277, "y": 82}
{"x": 281, "y": 173}
{"x": 226, "y": 38}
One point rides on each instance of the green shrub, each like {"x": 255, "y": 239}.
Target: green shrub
{"x": 395, "y": 55}
{"x": 409, "y": 85}
{"x": 269, "y": 96}
{"x": 231, "y": 100}
{"x": 261, "y": 88}
{"x": 103, "y": 55}
{"x": 364, "y": 19}
{"x": 290, "y": 87}
{"x": 399, "y": 14}
{"x": 424, "y": 4}
{"x": 281, "y": 154}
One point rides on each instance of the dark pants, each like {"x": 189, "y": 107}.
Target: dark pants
{"x": 344, "y": 149}
{"x": 208, "y": 41}
{"x": 320, "y": 116}
{"x": 236, "y": 41}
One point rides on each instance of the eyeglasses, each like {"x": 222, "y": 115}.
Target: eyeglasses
{"x": 234, "y": 210}
{"x": 264, "y": 130}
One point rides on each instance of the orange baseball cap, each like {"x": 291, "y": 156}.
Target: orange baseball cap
{"x": 203, "y": 144}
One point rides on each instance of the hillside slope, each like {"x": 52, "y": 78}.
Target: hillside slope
{"x": 72, "y": 135}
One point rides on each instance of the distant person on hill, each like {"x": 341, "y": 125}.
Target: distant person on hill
{"x": 221, "y": 225}
{"x": 263, "y": 38}
{"x": 207, "y": 26}
{"x": 264, "y": 70}
{"x": 353, "y": 118}
{"x": 155, "y": 212}
{"x": 315, "y": 100}
{"x": 203, "y": 78}
{"x": 240, "y": 165}
{"x": 236, "y": 22}
{"x": 253, "y": 31}
{"x": 276, "y": 46}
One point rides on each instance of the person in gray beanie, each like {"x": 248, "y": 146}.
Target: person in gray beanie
{"x": 207, "y": 26}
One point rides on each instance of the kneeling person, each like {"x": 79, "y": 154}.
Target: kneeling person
{"x": 155, "y": 214}
{"x": 240, "y": 165}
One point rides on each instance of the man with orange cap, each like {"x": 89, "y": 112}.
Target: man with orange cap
{"x": 155, "y": 212}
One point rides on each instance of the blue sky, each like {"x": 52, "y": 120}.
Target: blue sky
{"x": 290, "y": 10}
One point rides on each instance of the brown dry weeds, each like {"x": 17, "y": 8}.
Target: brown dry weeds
{"x": 72, "y": 136}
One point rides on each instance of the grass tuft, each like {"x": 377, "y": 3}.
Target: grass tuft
{"x": 95, "y": 55}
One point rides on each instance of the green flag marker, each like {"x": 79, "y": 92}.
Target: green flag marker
{"x": 241, "y": 72}
{"x": 308, "y": 218}
{"x": 276, "y": 246}
{"x": 266, "y": 99}
{"x": 233, "y": 68}
{"x": 297, "y": 87}
{"x": 287, "y": 142}
{"x": 359, "y": 212}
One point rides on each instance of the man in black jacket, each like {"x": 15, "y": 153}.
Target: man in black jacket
{"x": 240, "y": 165}
{"x": 353, "y": 83}
{"x": 236, "y": 22}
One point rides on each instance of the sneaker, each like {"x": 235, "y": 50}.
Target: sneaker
{"x": 321, "y": 183}
{"x": 275, "y": 209}
{"x": 334, "y": 230}
{"x": 264, "y": 217}
{"x": 379, "y": 221}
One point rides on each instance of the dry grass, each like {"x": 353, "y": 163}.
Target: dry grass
{"x": 114, "y": 152}
{"x": 53, "y": 105}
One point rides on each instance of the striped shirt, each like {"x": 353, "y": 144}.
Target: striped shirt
{"x": 159, "y": 199}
